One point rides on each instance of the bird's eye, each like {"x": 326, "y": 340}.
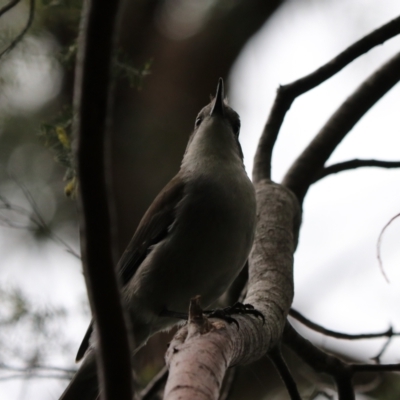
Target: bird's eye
{"x": 198, "y": 122}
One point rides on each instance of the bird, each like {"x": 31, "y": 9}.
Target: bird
{"x": 194, "y": 239}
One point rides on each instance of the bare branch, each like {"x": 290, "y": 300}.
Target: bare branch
{"x": 26, "y": 28}
{"x": 341, "y": 371}
{"x": 35, "y": 372}
{"x": 286, "y": 94}
{"x": 7, "y": 367}
{"x": 276, "y": 357}
{"x": 8, "y": 6}
{"x": 321, "y": 362}
{"x": 35, "y": 375}
{"x": 379, "y": 243}
{"x": 92, "y": 100}
{"x": 303, "y": 171}
{"x": 375, "y": 367}
{"x": 377, "y": 358}
{"x": 353, "y": 164}
{"x": 339, "y": 335}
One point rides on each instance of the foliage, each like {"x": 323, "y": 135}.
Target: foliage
{"x": 58, "y": 137}
{"x": 29, "y": 332}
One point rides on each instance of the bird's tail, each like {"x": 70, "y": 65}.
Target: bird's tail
{"x": 84, "y": 385}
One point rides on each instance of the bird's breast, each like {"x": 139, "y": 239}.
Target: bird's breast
{"x": 207, "y": 244}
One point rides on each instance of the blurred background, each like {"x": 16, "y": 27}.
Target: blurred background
{"x": 170, "y": 55}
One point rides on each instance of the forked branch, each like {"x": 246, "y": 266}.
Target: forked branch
{"x": 304, "y": 170}
{"x": 288, "y": 93}
{"x": 341, "y": 371}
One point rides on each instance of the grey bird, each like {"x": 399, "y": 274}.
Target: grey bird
{"x": 193, "y": 240}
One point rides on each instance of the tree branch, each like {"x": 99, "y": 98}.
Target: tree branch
{"x": 375, "y": 367}
{"x": 303, "y": 171}
{"x": 27, "y": 26}
{"x": 353, "y": 164}
{"x": 286, "y": 94}
{"x": 276, "y": 357}
{"x": 8, "y": 6}
{"x": 35, "y": 371}
{"x": 93, "y": 77}
{"x": 320, "y": 361}
{"x": 339, "y": 335}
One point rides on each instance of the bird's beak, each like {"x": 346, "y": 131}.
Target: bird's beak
{"x": 218, "y": 107}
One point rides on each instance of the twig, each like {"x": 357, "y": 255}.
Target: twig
{"x": 35, "y": 372}
{"x": 36, "y": 219}
{"x": 26, "y": 28}
{"x": 36, "y": 367}
{"x": 34, "y": 376}
{"x": 377, "y": 358}
{"x": 276, "y": 357}
{"x": 379, "y": 243}
{"x": 353, "y": 164}
{"x": 154, "y": 385}
{"x": 339, "y": 335}
{"x": 303, "y": 171}
{"x": 287, "y": 94}
{"x": 93, "y": 103}
{"x": 8, "y": 6}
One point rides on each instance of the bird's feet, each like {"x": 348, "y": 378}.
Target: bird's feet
{"x": 221, "y": 313}
{"x": 238, "y": 308}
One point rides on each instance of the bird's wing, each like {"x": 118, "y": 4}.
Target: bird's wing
{"x": 152, "y": 229}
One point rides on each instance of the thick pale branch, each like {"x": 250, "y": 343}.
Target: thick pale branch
{"x": 286, "y": 94}
{"x": 92, "y": 101}
{"x": 199, "y": 361}
{"x": 353, "y": 164}
{"x": 303, "y": 171}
